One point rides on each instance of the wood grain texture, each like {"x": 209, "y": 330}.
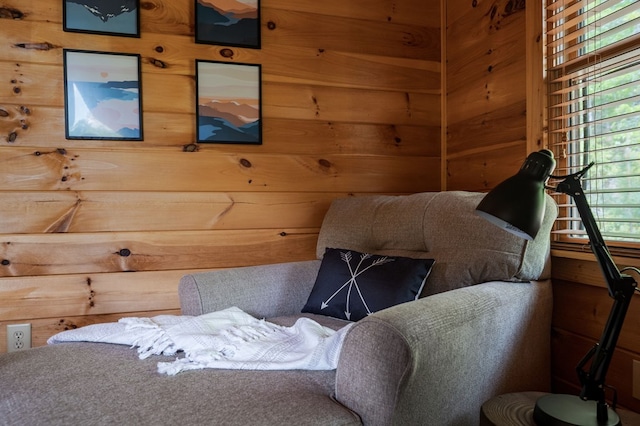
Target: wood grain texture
{"x": 516, "y": 409}
{"x": 41, "y": 297}
{"x": 63, "y": 253}
{"x": 574, "y": 347}
{"x": 585, "y": 309}
{"x": 281, "y": 63}
{"x": 350, "y": 105}
{"x": 43, "y": 329}
{"x": 36, "y": 212}
{"x": 105, "y": 170}
{"x": 581, "y": 307}
{"x": 506, "y": 124}
{"x": 486, "y": 98}
{"x": 482, "y": 169}
{"x": 513, "y": 409}
{"x": 39, "y": 127}
{"x": 425, "y": 13}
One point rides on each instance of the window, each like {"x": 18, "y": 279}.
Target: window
{"x": 593, "y": 87}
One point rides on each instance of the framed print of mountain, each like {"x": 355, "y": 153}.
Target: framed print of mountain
{"x": 111, "y": 17}
{"x": 228, "y": 22}
{"x": 228, "y": 102}
{"x": 102, "y": 95}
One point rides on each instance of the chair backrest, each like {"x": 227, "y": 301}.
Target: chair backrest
{"x": 439, "y": 225}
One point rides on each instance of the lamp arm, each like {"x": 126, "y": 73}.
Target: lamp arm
{"x": 621, "y": 288}
{"x": 572, "y": 186}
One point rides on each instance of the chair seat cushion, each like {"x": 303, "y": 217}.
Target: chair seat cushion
{"x": 96, "y": 383}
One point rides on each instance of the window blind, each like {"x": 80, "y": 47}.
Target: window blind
{"x": 593, "y": 98}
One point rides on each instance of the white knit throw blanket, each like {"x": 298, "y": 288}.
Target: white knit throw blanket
{"x": 229, "y": 339}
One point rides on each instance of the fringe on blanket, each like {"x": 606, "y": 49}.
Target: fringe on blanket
{"x": 229, "y": 339}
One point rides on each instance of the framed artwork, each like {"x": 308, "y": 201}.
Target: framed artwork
{"x": 228, "y": 102}
{"x": 111, "y": 17}
{"x": 228, "y": 23}
{"x": 102, "y": 94}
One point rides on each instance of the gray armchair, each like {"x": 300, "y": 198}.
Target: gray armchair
{"x": 482, "y": 328}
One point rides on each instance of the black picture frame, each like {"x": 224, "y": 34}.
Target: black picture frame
{"x": 228, "y": 102}
{"x": 108, "y": 17}
{"x": 239, "y": 28}
{"x": 102, "y": 95}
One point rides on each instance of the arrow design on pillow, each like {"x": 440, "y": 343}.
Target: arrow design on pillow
{"x": 353, "y": 282}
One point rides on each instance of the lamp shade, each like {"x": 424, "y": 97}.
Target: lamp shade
{"x": 517, "y": 204}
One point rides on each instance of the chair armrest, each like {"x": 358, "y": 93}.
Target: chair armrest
{"x": 263, "y": 291}
{"x": 438, "y": 359}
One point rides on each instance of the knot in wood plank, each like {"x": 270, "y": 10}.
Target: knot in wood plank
{"x": 326, "y": 164}
{"x": 148, "y": 5}
{"x": 35, "y": 46}
{"x": 10, "y": 13}
{"x": 227, "y": 53}
{"x": 158, "y": 63}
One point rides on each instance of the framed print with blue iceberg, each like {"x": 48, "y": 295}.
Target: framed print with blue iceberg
{"x": 110, "y": 17}
{"x": 228, "y": 22}
{"x": 228, "y": 102}
{"x": 103, "y": 96}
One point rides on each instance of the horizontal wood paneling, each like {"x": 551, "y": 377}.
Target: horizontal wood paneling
{"x": 481, "y": 170}
{"x": 338, "y": 33}
{"x": 104, "y": 170}
{"x": 176, "y": 16}
{"x": 486, "y": 98}
{"x": 63, "y": 253}
{"x": 350, "y": 106}
{"x": 573, "y": 347}
{"x": 44, "y": 129}
{"x": 293, "y": 64}
{"x": 426, "y": 13}
{"x": 505, "y": 124}
{"x": 278, "y": 99}
{"x": 41, "y": 297}
{"x": 36, "y": 212}
{"x": 581, "y": 308}
{"x": 42, "y": 329}
{"x": 585, "y": 309}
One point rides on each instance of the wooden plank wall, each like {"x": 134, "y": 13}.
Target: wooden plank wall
{"x": 486, "y": 97}
{"x": 91, "y": 231}
{"x": 582, "y": 306}
{"x": 488, "y": 45}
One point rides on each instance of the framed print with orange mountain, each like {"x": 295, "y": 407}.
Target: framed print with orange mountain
{"x": 228, "y": 102}
{"x": 228, "y": 22}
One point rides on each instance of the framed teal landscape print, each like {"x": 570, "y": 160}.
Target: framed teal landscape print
{"x": 228, "y": 102}
{"x": 228, "y": 22}
{"x": 102, "y": 95}
{"x": 110, "y": 17}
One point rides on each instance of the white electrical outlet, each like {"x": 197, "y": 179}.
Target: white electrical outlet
{"x": 18, "y": 337}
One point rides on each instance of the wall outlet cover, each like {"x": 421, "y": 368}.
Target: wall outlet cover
{"x": 18, "y": 337}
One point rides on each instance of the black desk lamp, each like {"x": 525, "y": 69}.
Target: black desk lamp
{"x": 517, "y": 205}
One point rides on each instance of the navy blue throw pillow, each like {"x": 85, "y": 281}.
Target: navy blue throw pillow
{"x": 351, "y": 285}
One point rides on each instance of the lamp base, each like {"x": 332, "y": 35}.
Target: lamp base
{"x": 570, "y": 410}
